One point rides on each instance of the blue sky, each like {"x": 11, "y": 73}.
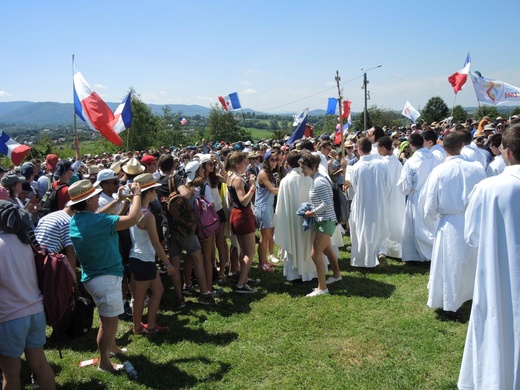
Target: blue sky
{"x": 280, "y": 56}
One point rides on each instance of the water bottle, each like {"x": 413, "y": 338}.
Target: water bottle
{"x": 130, "y": 370}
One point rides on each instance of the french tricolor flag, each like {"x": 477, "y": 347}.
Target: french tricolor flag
{"x": 458, "y": 79}
{"x": 12, "y": 149}
{"x": 89, "y": 106}
{"x": 123, "y": 115}
{"x": 230, "y": 102}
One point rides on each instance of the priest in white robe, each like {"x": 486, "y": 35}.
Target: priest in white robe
{"x": 491, "y": 357}
{"x": 417, "y": 243}
{"x": 289, "y": 235}
{"x": 496, "y": 167}
{"x": 396, "y": 200}
{"x": 446, "y": 192}
{"x": 368, "y": 218}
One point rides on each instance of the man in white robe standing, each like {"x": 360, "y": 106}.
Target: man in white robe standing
{"x": 470, "y": 150}
{"x": 417, "y": 236}
{"x": 496, "y": 167}
{"x": 368, "y": 217}
{"x": 289, "y": 235}
{"x": 430, "y": 141}
{"x": 396, "y": 200}
{"x": 446, "y": 193}
{"x": 491, "y": 357}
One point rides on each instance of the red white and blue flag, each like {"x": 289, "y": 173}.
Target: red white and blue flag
{"x": 300, "y": 121}
{"x": 230, "y": 102}
{"x": 89, "y": 106}
{"x": 458, "y": 79}
{"x": 12, "y": 149}
{"x": 183, "y": 120}
{"x": 123, "y": 115}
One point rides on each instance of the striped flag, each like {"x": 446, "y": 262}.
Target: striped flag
{"x": 12, "y": 149}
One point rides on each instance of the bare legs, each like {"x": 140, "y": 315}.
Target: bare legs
{"x": 247, "y": 247}
{"x": 11, "y": 368}
{"x": 140, "y": 288}
{"x": 321, "y": 240}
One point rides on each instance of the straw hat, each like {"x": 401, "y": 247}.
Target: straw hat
{"x": 146, "y": 181}
{"x": 133, "y": 167}
{"x": 81, "y": 191}
{"x": 116, "y": 167}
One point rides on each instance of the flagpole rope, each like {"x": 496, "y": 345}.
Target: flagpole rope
{"x": 307, "y": 97}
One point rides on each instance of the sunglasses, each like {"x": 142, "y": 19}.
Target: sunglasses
{"x": 209, "y": 163}
{"x": 114, "y": 182}
{"x": 273, "y": 160}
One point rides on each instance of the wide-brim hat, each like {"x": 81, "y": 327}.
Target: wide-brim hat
{"x": 146, "y": 181}
{"x": 81, "y": 191}
{"x": 133, "y": 167}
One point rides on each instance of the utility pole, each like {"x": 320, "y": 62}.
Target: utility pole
{"x": 367, "y": 95}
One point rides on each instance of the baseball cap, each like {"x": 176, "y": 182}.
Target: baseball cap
{"x": 148, "y": 159}
{"x": 105, "y": 174}
{"x": 191, "y": 170}
{"x": 62, "y": 167}
{"x": 51, "y": 161}
{"x": 27, "y": 170}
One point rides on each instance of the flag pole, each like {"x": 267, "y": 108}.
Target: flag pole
{"x": 453, "y": 106}
{"x": 127, "y": 137}
{"x": 338, "y": 79}
{"x": 73, "y": 102}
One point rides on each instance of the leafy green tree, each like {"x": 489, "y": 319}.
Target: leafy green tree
{"x": 515, "y": 111}
{"x": 486, "y": 110}
{"x": 358, "y": 122}
{"x": 384, "y": 117}
{"x": 223, "y": 126}
{"x": 435, "y": 110}
{"x": 171, "y": 131}
{"x": 459, "y": 114}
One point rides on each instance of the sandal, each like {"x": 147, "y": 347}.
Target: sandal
{"x": 265, "y": 268}
{"x": 116, "y": 369}
{"x": 113, "y": 354}
{"x": 156, "y": 329}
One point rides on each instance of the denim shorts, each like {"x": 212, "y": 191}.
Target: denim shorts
{"x": 22, "y": 333}
{"x": 107, "y": 294}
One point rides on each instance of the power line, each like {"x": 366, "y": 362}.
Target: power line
{"x": 307, "y": 97}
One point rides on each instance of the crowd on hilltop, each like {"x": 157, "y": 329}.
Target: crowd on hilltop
{"x": 439, "y": 194}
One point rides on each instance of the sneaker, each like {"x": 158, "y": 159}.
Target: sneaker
{"x": 156, "y": 329}
{"x": 217, "y": 292}
{"x": 245, "y": 289}
{"x": 222, "y": 280}
{"x": 178, "y": 303}
{"x": 206, "y": 299}
{"x": 234, "y": 276}
{"x": 332, "y": 279}
{"x": 273, "y": 259}
{"x": 382, "y": 260}
{"x": 253, "y": 281}
{"x": 188, "y": 290}
{"x": 317, "y": 292}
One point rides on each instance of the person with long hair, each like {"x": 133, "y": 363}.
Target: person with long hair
{"x": 266, "y": 189}
{"x": 144, "y": 274}
{"x": 242, "y": 222}
{"x": 324, "y": 225}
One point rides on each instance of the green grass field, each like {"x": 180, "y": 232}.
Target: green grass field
{"x": 373, "y": 332}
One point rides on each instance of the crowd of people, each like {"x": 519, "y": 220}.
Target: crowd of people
{"x": 441, "y": 193}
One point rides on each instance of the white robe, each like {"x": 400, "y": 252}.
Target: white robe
{"x": 472, "y": 153}
{"x": 288, "y": 231}
{"x": 368, "y": 218}
{"x": 452, "y": 271}
{"x": 438, "y": 152}
{"x": 395, "y": 209}
{"x": 491, "y": 357}
{"x": 496, "y": 167}
{"x": 418, "y": 237}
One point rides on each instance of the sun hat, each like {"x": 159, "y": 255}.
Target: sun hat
{"x": 133, "y": 167}
{"x": 116, "y": 167}
{"x": 191, "y": 169}
{"x": 93, "y": 170}
{"x": 81, "y": 191}
{"x": 146, "y": 181}
{"x": 10, "y": 179}
{"x": 105, "y": 174}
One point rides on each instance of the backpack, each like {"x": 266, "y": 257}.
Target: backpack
{"x": 341, "y": 204}
{"x": 209, "y": 221}
{"x": 56, "y": 282}
{"x": 184, "y": 220}
{"x": 49, "y": 202}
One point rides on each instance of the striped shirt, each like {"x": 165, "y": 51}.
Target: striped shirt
{"x": 321, "y": 198}
{"x": 52, "y": 231}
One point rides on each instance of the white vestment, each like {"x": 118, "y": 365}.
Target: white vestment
{"x": 491, "y": 357}
{"x": 417, "y": 235}
{"x": 472, "y": 153}
{"x": 452, "y": 271}
{"x": 438, "y": 152}
{"x": 368, "y": 218}
{"x": 496, "y": 167}
{"x": 288, "y": 231}
{"x": 395, "y": 208}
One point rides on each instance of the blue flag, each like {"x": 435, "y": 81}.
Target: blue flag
{"x": 301, "y": 120}
{"x": 331, "y": 106}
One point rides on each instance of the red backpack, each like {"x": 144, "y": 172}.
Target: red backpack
{"x": 56, "y": 282}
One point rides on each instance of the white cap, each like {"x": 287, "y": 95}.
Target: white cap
{"x": 105, "y": 174}
{"x": 191, "y": 169}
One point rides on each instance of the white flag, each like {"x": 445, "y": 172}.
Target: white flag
{"x": 300, "y": 117}
{"x": 494, "y": 92}
{"x": 410, "y": 112}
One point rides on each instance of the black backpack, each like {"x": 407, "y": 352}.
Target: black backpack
{"x": 49, "y": 202}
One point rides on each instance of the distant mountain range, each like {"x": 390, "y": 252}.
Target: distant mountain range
{"x": 52, "y": 113}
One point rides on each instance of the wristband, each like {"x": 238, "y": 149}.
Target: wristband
{"x": 139, "y": 194}
{"x": 167, "y": 264}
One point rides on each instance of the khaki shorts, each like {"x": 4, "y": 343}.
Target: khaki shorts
{"x": 107, "y": 293}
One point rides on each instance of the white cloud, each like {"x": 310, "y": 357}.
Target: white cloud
{"x": 4, "y": 94}
{"x": 100, "y": 86}
{"x": 249, "y": 91}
